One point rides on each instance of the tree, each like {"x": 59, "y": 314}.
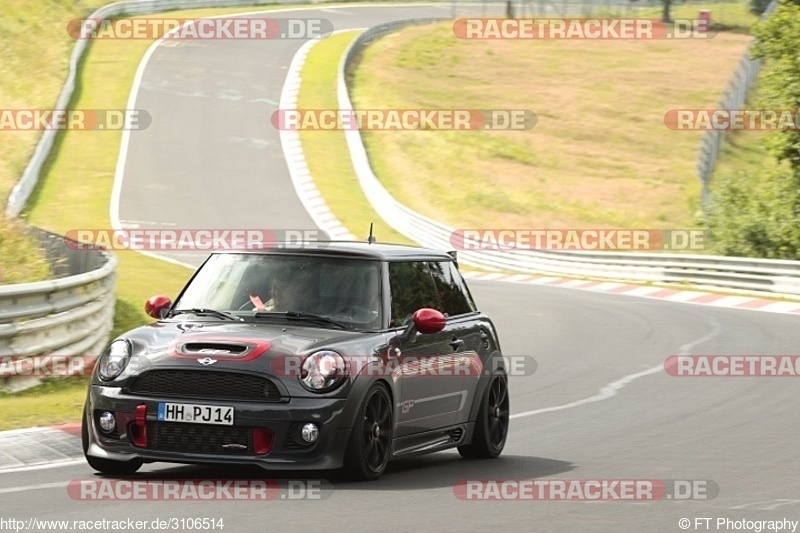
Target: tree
{"x": 755, "y": 215}
{"x": 665, "y": 15}
{"x": 759, "y": 215}
{"x": 778, "y": 43}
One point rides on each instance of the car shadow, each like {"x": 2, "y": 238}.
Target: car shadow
{"x": 425, "y": 472}
{"x": 445, "y": 469}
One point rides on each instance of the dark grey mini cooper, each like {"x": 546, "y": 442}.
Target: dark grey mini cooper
{"x": 337, "y": 355}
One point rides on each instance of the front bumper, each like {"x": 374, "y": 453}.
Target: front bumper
{"x": 179, "y": 442}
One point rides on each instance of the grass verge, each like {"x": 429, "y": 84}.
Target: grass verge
{"x": 599, "y": 155}
{"x": 35, "y": 47}
{"x": 725, "y": 16}
{"x": 52, "y": 403}
{"x": 22, "y": 259}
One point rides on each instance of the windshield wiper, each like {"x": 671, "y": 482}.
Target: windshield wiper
{"x": 321, "y": 319}
{"x": 204, "y": 311}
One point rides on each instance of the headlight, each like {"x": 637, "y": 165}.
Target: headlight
{"x": 114, "y": 360}
{"x": 322, "y": 371}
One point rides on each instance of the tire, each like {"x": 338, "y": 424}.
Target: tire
{"x": 369, "y": 448}
{"x": 105, "y": 466}
{"x": 491, "y": 427}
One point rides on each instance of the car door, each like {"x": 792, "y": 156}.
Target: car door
{"x": 465, "y": 334}
{"x": 428, "y": 381}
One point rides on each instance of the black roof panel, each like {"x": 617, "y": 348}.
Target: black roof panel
{"x": 378, "y": 251}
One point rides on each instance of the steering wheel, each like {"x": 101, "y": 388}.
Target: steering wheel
{"x": 250, "y": 304}
{"x": 360, "y": 314}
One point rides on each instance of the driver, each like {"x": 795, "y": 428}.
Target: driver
{"x": 288, "y": 293}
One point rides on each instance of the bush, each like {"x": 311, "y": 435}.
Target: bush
{"x": 778, "y": 43}
{"x": 755, "y": 216}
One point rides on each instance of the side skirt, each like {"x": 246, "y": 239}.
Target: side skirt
{"x": 431, "y": 441}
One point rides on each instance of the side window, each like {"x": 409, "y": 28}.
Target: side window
{"x": 412, "y": 287}
{"x": 451, "y": 288}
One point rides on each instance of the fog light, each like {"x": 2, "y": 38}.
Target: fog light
{"x": 107, "y": 422}
{"x": 310, "y": 433}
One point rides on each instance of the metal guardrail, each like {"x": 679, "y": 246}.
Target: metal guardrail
{"x": 734, "y": 97}
{"x": 762, "y": 275}
{"x": 68, "y": 318}
{"x": 550, "y": 8}
{"x": 589, "y": 8}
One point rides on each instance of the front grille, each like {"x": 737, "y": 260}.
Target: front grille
{"x": 198, "y": 438}
{"x": 205, "y": 384}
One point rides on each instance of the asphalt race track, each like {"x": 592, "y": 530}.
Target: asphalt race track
{"x": 599, "y": 406}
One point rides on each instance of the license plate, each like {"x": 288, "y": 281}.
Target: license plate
{"x": 195, "y": 414}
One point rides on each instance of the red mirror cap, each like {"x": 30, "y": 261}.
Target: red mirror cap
{"x": 156, "y": 304}
{"x": 429, "y": 320}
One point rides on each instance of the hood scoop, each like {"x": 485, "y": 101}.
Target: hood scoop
{"x": 215, "y": 349}
{"x": 220, "y": 348}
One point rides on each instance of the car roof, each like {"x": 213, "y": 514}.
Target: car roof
{"x": 351, "y": 249}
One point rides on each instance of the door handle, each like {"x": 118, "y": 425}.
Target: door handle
{"x": 455, "y": 344}
{"x": 485, "y": 339}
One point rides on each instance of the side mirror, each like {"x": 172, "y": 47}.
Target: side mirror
{"x": 157, "y": 306}
{"x": 426, "y": 321}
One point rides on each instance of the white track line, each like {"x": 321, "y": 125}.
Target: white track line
{"x": 611, "y": 390}
{"x": 303, "y": 182}
{"x": 43, "y": 466}
{"x": 42, "y": 486}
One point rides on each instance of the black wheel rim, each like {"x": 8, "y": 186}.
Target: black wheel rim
{"x": 377, "y": 430}
{"x": 498, "y": 413}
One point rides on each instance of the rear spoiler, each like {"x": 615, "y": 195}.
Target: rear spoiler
{"x": 454, "y": 255}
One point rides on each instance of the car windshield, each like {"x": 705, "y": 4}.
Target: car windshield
{"x": 317, "y": 290}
